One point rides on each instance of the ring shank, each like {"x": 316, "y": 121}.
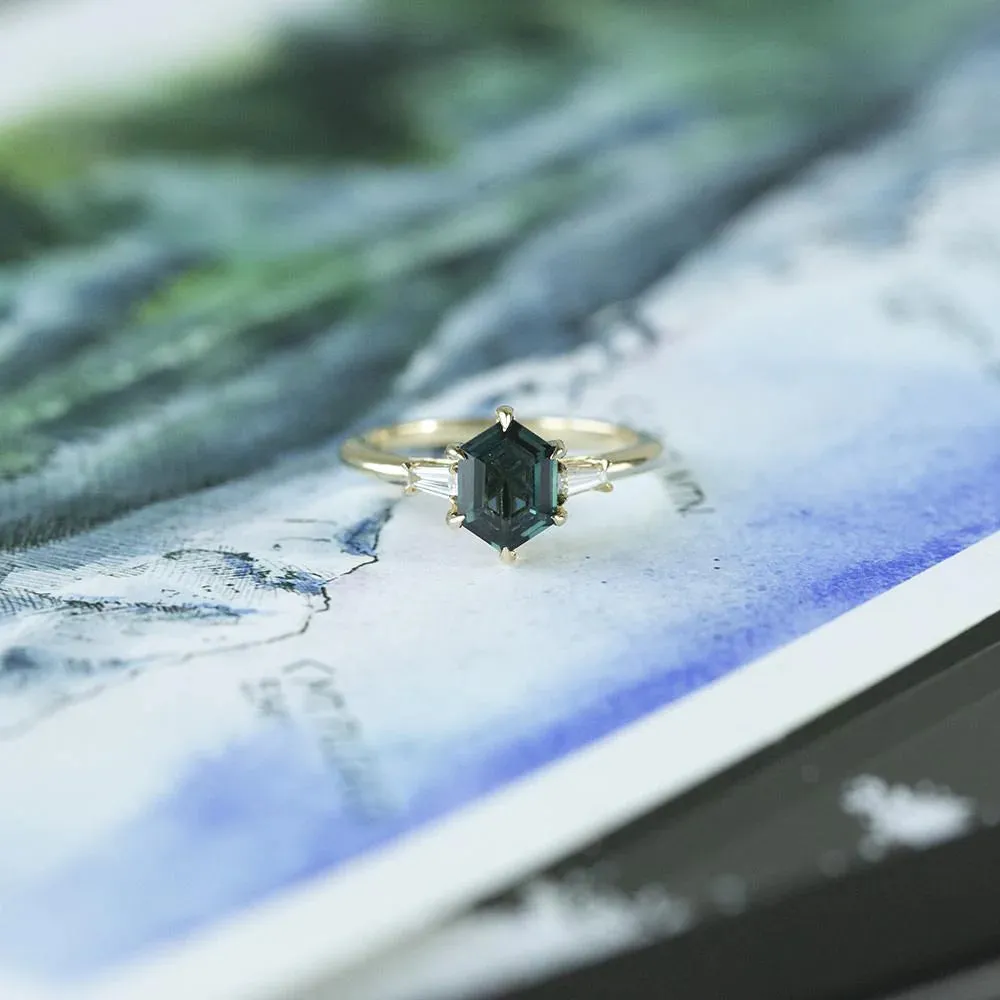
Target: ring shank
{"x": 385, "y": 451}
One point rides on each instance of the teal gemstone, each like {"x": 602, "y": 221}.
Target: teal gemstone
{"x": 507, "y": 485}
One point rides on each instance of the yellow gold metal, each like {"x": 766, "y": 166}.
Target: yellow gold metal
{"x": 410, "y": 488}
{"x": 505, "y": 414}
{"x": 601, "y": 451}
{"x": 386, "y": 451}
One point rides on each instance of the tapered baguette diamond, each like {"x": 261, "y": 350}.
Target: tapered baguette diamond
{"x": 580, "y": 475}
{"x": 432, "y": 475}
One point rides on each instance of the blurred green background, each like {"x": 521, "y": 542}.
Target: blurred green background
{"x": 200, "y": 280}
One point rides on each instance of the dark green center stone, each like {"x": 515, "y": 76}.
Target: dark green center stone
{"x": 507, "y": 485}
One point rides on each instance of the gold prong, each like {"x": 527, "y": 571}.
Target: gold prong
{"x": 507, "y": 557}
{"x": 453, "y": 519}
{"x": 411, "y": 487}
{"x": 505, "y": 414}
{"x": 454, "y": 452}
{"x": 559, "y": 516}
{"x": 560, "y": 448}
{"x": 606, "y": 486}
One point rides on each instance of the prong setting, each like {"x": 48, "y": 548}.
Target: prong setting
{"x": 453, "y": 518}
{"x": 410, "y": 488}
{"x": 607, "y": 486}
{"x": 508, "y": 482}
{"x": 507, "y": 557}
{"x": 505, "y": 416}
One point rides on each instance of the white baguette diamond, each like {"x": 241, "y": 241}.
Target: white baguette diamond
{"x": 432, "y": 475}
{"x": 580, "y": 475}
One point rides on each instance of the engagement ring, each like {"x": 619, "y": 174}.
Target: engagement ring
{"x": 507, "y": 482}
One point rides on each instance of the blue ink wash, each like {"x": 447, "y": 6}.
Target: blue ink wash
{"x": 361, "y": 539}
{"x": 897, "y": 469}
{"x": 261, "y": 816}
{"x": 233, "y": 568}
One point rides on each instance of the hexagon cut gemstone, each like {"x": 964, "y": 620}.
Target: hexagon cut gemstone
{"x": 507, "y": 485}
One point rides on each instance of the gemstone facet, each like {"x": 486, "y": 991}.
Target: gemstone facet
{"x": 507, "y": 485}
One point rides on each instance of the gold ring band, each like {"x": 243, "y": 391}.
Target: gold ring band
{"x": 387, "y": 451}
{"x": 508, "y": 480}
